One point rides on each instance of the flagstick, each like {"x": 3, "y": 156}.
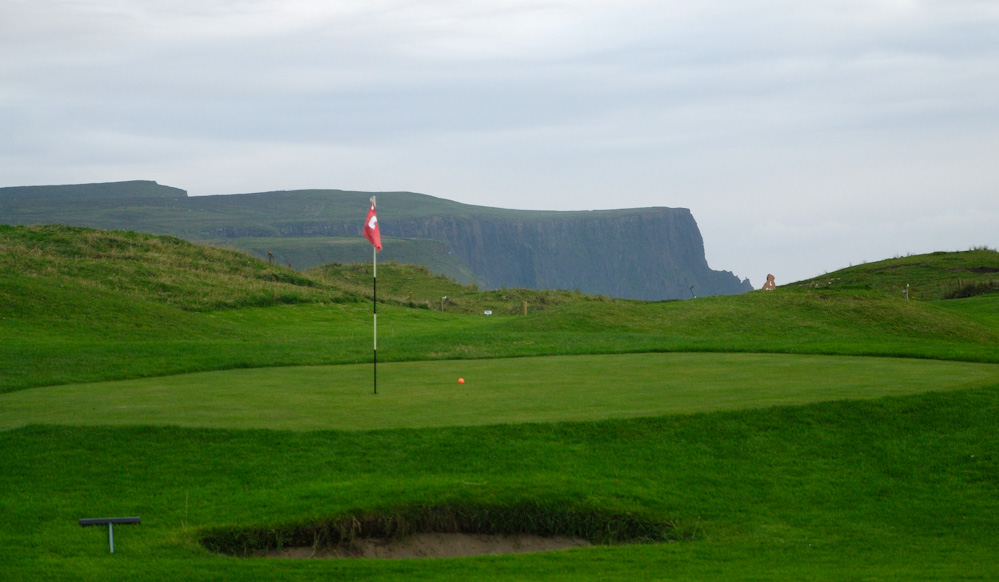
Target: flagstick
{"x": 374, "y": 302}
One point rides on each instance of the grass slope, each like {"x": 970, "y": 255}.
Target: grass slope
{"x": 165, "y": 270}
{"x": 892, "y": 489}
{"x": 304, "y": 252}
{"x": 931, "y": 276}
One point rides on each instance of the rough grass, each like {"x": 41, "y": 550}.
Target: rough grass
{"x": 166, "y": 270}
{"x": 304, "y": 252}
{"x": 941, "y": 275}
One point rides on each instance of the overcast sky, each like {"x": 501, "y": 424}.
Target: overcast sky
{"x": 804, "y": 136}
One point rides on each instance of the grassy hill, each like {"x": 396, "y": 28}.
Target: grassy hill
{"x": 302, "y": 253}
{"x": 765, "y": 436}
{"x": 931, "y": 276}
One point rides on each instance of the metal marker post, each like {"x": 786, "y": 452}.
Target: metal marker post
{"x": 109, "y": 521}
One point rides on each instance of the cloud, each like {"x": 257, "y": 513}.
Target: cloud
{"x": 813, "y": 122}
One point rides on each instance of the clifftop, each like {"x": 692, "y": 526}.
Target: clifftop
{"x": 98, "y": 191}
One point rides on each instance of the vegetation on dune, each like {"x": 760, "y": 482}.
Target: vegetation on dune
{"x": 416, "y": 286}
{"x": 163, "y": 269}
{"x": 939, "y": 275}
{"x": 303, "y": 253}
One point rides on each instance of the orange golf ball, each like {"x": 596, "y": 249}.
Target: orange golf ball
{"x": 461, "y": 380}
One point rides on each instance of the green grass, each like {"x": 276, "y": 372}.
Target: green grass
{"x": 833, "y": 433}
{"x": 304, "y": 252}
{"x": 983, "y": 310}
{"x": 105, "y": 337}
{"x": 940, "y": 275}
{"x": 496, "y": 391}
{"x": 897, "y": 488}
{"x": 165, "y": 270}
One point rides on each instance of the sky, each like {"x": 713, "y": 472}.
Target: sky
{"x": 804, "y": 137}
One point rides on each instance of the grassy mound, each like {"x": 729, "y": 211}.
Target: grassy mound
{"x": 416, "y": 286}
{"x": 940, "y": 275}
{"x": 161, "y": 269}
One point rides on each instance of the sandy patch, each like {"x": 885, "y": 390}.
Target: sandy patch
{"x": 436, "y": 545}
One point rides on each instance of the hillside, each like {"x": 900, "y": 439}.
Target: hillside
{"x": 649, "y": 253}
{"x": 940, "y": 275}
{"x": 88, "y": 305}
{"x": 192, "y": 277}
{"x": 162, "y": 269}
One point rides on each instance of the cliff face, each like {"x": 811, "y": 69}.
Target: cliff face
{"x": 652, "y": 254}
{"x": 646, "y": 253}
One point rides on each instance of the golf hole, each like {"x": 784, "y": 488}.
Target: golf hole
{"x": 442, "y": 531}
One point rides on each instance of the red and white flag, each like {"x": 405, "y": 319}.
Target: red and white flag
{"x": 371, "y": 231}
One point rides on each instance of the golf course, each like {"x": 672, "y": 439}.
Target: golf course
{"x": 831, "y": 429}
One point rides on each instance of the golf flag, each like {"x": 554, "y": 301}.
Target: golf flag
{"x": 374, "y": 236}
{"x": 371, "y": 231}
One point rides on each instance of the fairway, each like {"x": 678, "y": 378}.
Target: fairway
{"x": 497, "y": 391}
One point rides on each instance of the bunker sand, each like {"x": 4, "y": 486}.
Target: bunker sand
{"x": 435, "y": 545}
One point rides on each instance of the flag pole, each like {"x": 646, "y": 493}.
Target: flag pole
{"x": 374, "y": 302}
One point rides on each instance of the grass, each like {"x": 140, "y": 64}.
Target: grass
{"x": 895, "y": 488}
{"x": 427, "y": 394}
{"x": 105, "y": 337}
{"x": 940, "y": 275}
{"x": 304, "y": 252}
{"x": 165, "y": 270}
{"x": 812, "y": 433}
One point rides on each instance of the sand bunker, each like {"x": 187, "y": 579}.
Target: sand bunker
{"x": 435, "y": 545}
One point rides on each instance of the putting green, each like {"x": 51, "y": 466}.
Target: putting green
{"x": 427, "y": 394}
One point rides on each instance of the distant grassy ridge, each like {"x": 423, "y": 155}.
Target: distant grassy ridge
{"x": 77, "y": 193}
{"x": 144, "y": 201}
{"x": 148, "y": 207}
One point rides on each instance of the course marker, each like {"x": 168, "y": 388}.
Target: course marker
{"x": 109, "y": 521}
